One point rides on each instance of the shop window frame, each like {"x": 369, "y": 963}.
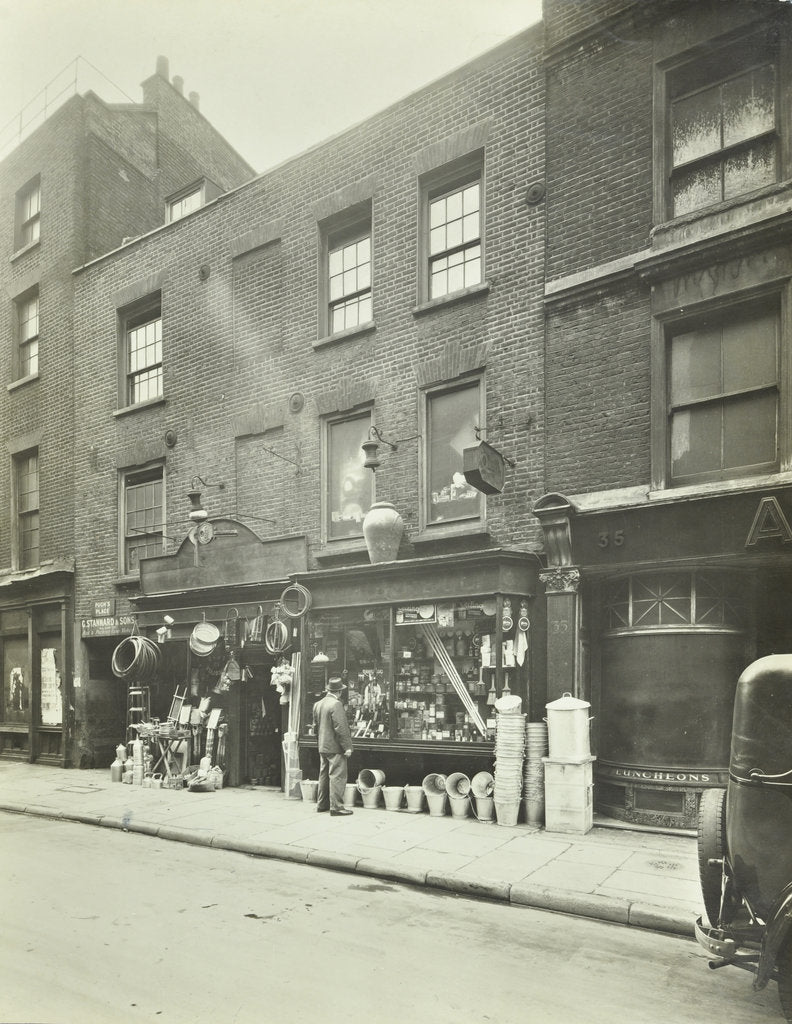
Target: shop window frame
{"x": 699, "y": 70}
{"x": 723, "y": 311}
{"x": 344, "y": 229}
{"x": 134, "y": 477}
{"x": 463, "y": 523}
{"x": 433, "y": 186}
{"x": 327, "y": 425}
{"x": 494, "y": 676}
{"x": 27, "y": 218}
{"x": 141, "y": 314}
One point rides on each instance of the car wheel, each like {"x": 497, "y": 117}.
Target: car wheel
{"x": 784, "y": 968}
{"x": 711, "y": 846}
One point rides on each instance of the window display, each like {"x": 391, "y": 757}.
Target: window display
{"x": 422, "y": 672}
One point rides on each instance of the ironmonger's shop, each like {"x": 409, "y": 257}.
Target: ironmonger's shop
{"x": 424, "y": 647}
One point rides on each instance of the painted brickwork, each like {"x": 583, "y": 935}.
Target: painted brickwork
{"x": 242, "y": 337}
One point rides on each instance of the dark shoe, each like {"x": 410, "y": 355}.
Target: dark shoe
{"x": 340, "y": 811}
{"x": 322, "y": 809}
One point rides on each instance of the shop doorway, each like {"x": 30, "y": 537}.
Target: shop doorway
{"x": 262, "y": 725}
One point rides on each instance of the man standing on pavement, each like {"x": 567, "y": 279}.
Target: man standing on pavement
{"x": 335, "y": 747}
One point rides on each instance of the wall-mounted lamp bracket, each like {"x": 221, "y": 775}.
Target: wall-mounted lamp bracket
{"x": 370, "y": 446}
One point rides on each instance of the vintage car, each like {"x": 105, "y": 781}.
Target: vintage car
{"x": 745, "y": 835}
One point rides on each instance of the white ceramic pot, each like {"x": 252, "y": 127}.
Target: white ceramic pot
{"x": 383, "y": 528}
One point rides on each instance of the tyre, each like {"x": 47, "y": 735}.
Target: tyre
{"x": 784, "y": 968}
{"x": 711, "y": 846}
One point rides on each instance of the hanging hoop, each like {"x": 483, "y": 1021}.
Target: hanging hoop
{"x": 276, "y": 637}
{"x": 303, "y": 596}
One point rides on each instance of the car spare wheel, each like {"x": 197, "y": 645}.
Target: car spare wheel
{"x": 712, "y": 847}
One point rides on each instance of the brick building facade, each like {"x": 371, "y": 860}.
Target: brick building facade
{"x": 666, "y": 387}
{"x": 297, "y": 313}
{"x": 571, "y": 248}
{"x": 89, "y": 177}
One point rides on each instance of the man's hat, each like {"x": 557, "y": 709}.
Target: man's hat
{"x": 335, "y": 685}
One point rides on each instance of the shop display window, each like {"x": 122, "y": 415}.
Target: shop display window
{"x": 356, "y": 644}
{"x": 422, "y": 672}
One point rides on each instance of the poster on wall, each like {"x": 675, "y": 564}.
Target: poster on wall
{"x": 51, "y": 693}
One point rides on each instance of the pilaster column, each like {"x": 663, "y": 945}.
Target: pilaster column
{"x": 563, "y": 618}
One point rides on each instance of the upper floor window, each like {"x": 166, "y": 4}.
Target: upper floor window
{"x": 722, "y": 134}
{"x": 26, "y": 489}
{"x": 27, "y": 310}
{"x": 142, "y": 332}
{"x": 348, "y": 485}
{"x": 451, "y": 228}
{"x": 454, "y": 239}
{"x": 349, "y": 283}
{"x": 143, "y": 516}
{"x": 346, "y": 299}
{"x": 451, "y": 416}
{"x": 185, "y": 202}
{"x": 723, "y": 394}
{"x": 28, "y": 214}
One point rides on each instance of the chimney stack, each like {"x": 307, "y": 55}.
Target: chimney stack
{"x": 195, "y": 99}
{"x": 162, "y": 68}
{"x": 178, "y": 84}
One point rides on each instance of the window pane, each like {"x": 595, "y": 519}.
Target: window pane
{"x": 456, "y": 278}
{"x": 470, "y": 229}
{"x": 29, "y": 319}
{"x": 437, "y": 240}
{"x": 438, "y": 285}
{"x": 696, "y": 441}
{"x": 335, "y": 262}
{"x": 364, "y": 309}
{"x": 695, "y": 370}
{"x": 30, "y": 362}
{"x": 749, "y": 169}
{"x": 452, "y": 415}
{"x": 696, "y": 129}
{"x": 470, "y": 198}
{"x": 748, "y": 105}
{"x": 697, "y": 188}
{"x": 749, "y": 431}
{"x": 454, "y": 206}
{"x": 349, "y": 484}
{"x": 750, "y": 353}
{"x": 454, "y": 234}
{"x": 437, "y": 213}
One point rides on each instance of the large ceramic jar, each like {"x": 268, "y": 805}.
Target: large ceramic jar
{"x": 383, "y": 528}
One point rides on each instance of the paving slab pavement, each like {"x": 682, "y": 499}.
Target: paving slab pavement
{"x": 635, "y": 877}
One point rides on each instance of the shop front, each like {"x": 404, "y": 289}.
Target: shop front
{"x": 209, "y": 609}
{"x": 424, "y": 647}
{"x": 673, "y": 599}
{"x": 37, "y": 717}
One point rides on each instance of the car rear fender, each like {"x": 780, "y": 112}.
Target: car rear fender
{"x": 779, "y": 926}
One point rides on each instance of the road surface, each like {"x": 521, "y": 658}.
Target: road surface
{"x": 105, "y": 927}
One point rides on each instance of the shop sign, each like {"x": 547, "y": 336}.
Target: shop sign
{"x": 669, "y": 776}
{"x": 408, "y": 613}
{"x": 484, "y": 468}
{"x": 107, "y": 625}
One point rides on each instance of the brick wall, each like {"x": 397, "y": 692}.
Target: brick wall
{"x": 240, "y": 341}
